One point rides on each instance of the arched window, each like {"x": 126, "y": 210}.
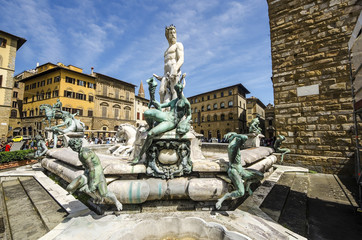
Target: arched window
{"x": 215, "y": 106}
{"x": 222, "y": 105}
{"x": 13, "y": 113}
{"x": 208, "y": 118}
{"x": 230, "y": 104}
{"x": 230, "y": 116}
{"x": 116, "y": 110}
{"x": 222, "y": 117}
{"x": 230, "y": 92}
{"x": 202, "y": 109}
{"x": 202, "y": 119}
{"x": 215, "y": 117}
{"x": 104, "y": 107}
{"x": 127, "y": 111}
{"x": 195, "y": 109}
{"x": 208, "y": 107}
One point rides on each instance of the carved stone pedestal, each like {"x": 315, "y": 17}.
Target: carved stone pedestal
{"x": 253, "y": 140}
{"x": 169, "y": 155}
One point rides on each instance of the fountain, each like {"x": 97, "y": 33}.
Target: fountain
{"x": 164, "y": 168}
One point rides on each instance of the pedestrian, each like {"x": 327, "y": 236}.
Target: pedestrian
{"x": 8, "y": 146}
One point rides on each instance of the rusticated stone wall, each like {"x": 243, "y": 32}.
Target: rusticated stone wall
{"x": 313, "y": 104}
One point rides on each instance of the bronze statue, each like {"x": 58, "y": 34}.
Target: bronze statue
{"x": 168, "y": 120}
{"x": 236, "y": 172}
{"x": 277, "y": 148}
{"x": 93, "y": 181}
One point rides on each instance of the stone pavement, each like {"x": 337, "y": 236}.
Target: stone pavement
{"x": 316, "y": 206}
{"x": 27, "y": 210}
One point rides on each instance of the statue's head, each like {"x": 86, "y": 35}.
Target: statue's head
{"x": 170, "y": 33}
{"x": 38, "y": 137}
{"x": 179, "y": 87}
{"x": 75, "y": 144}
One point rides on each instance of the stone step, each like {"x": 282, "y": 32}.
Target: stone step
{"x": 274, "y": 203}
{"x": 49, "y": 211}
{"x": 294, "y": 214}
{"x": 24, "y": 221}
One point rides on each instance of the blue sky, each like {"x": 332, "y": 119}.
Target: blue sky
{"x": 225, "y": 42}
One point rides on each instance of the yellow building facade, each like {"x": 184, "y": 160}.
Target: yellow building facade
{"x": 9, "y": 44}
{"x": 218, "y": 112}
{"x": 255, "y": 108}
{"x": 75, "y": 90}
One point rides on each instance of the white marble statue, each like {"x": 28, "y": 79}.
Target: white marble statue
{"x": 174, "y": 58}
{"x": 128, "y": 132}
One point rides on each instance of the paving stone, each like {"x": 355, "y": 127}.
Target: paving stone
{"x": 25, "y": 222}
{"x": 274, "y": 202}
{"x": 49, "y": 210}
{"x": 294, "y": 214}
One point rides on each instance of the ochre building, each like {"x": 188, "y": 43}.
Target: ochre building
{"x": 9, "y": 44}
{"x": 220, "y": 111}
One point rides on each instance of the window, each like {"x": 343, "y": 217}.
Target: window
{"x": 80, "y": 82}
{"x": 231, "y": 116}
{"x": 230, "y": 92}
{"x": 68, "y": 94}
{"x": 116, "y": 113}
{"x": 42, "y": 95}
{"x": 104, "y": 111}
{"x": 222, "y": 117}
{"x": 104, "y": 128}
{"x": 37, "y": 96}
{"x": 16, "y": 84}
{"x": 90, "y": 113}
{"x": 116, "y": 93}
{"x": 38, "y": 84}
{"x": 222, "y": 105}
{"x": 202, "y": 119}
{"x": 91, "y": 85}
{"x": 13, "y": 113}
{"x": 208, "y": 118}
{"x": 195, "y": 120}
{"x": 42, "y": 83}
{"x": 15, "y": 104}
{"x": 3, "y": 42}
{"x": 202, "y": 99}
{"x": 208, "y": 97}
{"x": 15, "y": 94}
{"x": 55, "y": 93}
{"x": 48, "y": 95}
{"x": 56, "y": 79}
{"x": 31, "y": 113}
{"x": 196, "y": 100}
{"x": 127, "y": 114}
{"x": 215, "y": 106}
{"x": 230, "y": 103}
{"x": 138, "y": 116}
{"x": 33, "y": 86}
{"x": 208, "y": 107}
{"x": 26, "y": 87}
{"x": 80, "y": 96}
{"x": 195, "y": 109}
{"x": 192, "y": 101}
{"x": 214, "y": 96}
{"x": 90, "y": 98}
{"x": 104, "y": 90}
{"x": 222, "y": 94}
{"x": 49, "y": 81}
{"x": 24, "y": 114}
{"x": 70, "y": 80}
{"x": 270, "y": 122}
{"x": 127, "y": 97}
{"x": 202, "y": 109}
{"x": 26, "y": 100}
{"x": 78, "y": 111}
{"x": 215, "y": 117}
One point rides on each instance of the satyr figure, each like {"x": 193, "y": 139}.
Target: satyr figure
{"x": 277, "y": 148}
{"x": 174, "y": 58}
{"x": 41, "y": 148}
{"x": 92, "y": 181}
{"x": 236, "y": 172}
{"x": 166, "y": 121}
{"x": 72, "y": 125}
{"x": 254, "y": 126}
